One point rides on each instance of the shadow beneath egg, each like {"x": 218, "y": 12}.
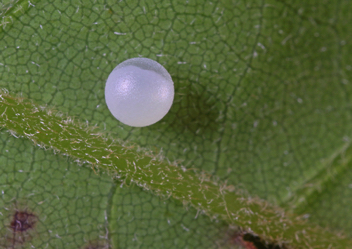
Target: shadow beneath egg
{"x": 193, "y": 113}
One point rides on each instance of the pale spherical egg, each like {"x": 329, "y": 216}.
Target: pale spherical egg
{"x": 139, "y": 92}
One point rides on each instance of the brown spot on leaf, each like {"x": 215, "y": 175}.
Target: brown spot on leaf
{"x": 21, "y": 225}
{"x": 251, "y": 241}
{"x": 23, "y": 221}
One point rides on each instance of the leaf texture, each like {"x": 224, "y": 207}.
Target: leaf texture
{"x": 262, "y": 87}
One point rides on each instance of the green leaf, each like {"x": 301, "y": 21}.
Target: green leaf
{"x": 133, "y": 165}
{"x": 262, "y": 95}
{"x": 77, "y": 207}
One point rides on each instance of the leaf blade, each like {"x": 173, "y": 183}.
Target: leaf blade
{"x": 147, "y": 171}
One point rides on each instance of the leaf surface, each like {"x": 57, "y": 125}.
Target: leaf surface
{"x": 262, "y": 87}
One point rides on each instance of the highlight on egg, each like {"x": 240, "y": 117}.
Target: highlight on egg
{"x": 139, "y": 92}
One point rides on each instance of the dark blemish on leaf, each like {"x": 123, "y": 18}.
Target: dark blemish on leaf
{"x": 251, "y": 241}
{"x": 238, "y": 240}
{"x": 23, "y": 221}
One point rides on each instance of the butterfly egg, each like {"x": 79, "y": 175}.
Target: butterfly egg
{"x": 139, "y": 92}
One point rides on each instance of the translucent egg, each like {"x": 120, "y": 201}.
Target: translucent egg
{"x": 139, "y": 92}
